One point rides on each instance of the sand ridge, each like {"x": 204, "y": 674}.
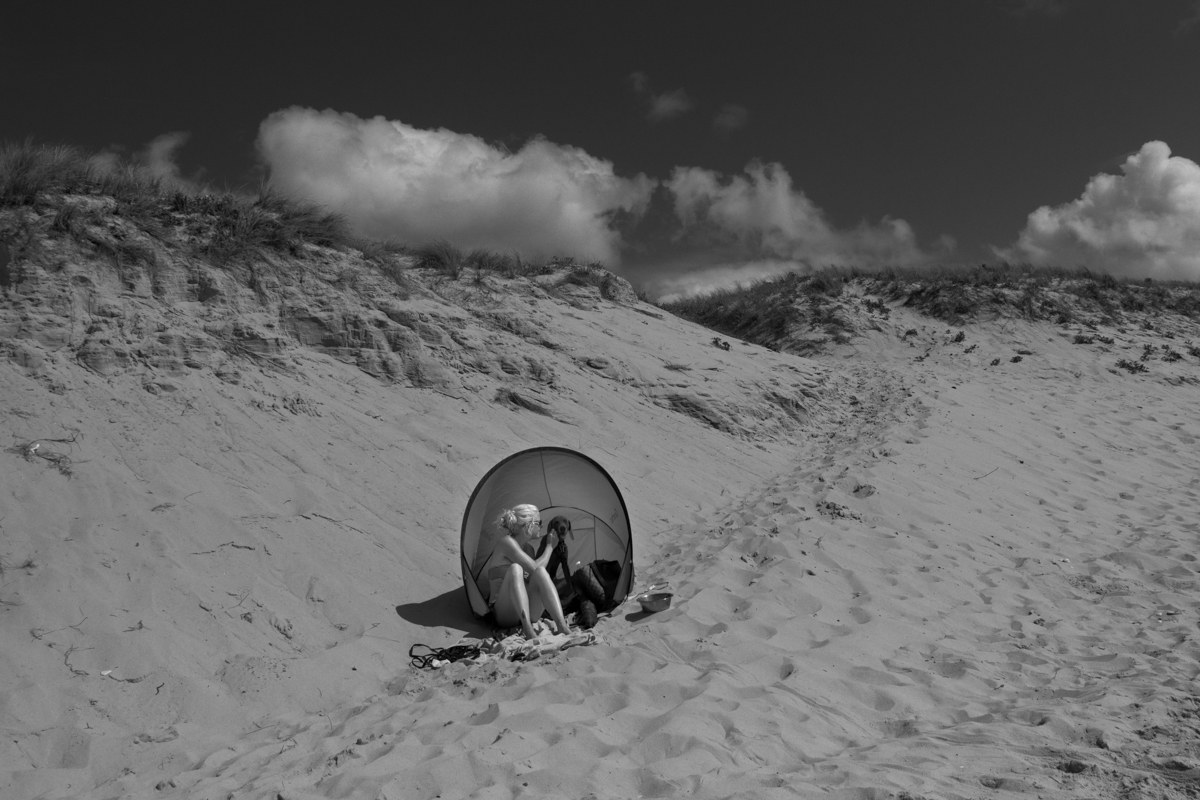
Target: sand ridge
{"x": 950, "y": 595}
{"x": 223, "y": 552}
{"x": 958, "y": 575}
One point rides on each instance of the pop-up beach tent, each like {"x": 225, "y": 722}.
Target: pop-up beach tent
{"x": 559, "y": 482}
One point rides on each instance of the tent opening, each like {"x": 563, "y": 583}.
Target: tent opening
{"x": 560, "y": 482}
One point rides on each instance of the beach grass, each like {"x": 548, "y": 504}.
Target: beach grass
{"x": 768, "y": 311}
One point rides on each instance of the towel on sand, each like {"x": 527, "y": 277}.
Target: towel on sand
{"x": 516, "y": 647}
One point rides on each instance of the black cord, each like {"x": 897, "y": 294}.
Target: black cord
{"x": 456, "y": 653}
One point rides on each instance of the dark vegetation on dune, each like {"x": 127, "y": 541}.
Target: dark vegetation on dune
{"x": 831, "y": 304}
{"x": 133, "y": 219}
{"x": 139, "y": 223}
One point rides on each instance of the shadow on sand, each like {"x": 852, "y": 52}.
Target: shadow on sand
{"x": 447, "y": 610}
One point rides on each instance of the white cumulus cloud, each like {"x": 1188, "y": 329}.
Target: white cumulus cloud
{"x": 1144, "y": 223}
{"x": 160, "y": 156}
{"x": 158, "y": 159}
{"x": 758, "y": 225}
{"x": 766, "y": 215}
{"x": 395, "y": 181}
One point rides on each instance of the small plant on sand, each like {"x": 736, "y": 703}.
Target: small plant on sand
{"x": 488, "y": 261}
{"x": 69, "y": 219}
{"x": 514, "y": 267}
{"x": 240, "y": 230}
{"x": 441, "y": 256}
{"x": 30, "y": 173}
{"x": 877, "y": 307}
{"x": 1133, "y": 367}
{"x": 297, "y": 223}
{"x": 391, "y": 259}
{"x": 1083, "y": 338}
{"x": 585, "y": 276}
{"x": 1104, "y": 339}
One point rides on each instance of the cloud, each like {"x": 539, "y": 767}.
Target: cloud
{"x": 764, "y": 215}
{"x": 158, "y": 158}
{"x": 1144, "y": 223}
{"x": 730, "y": 118}
{"x": 674, "y": 282}
{"x": 734, "y": 230}
{"x": 668, "y": 104}
{"x": 660, "y": 106}
{"x": 395, "y": 181}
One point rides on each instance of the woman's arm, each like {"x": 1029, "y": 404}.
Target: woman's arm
{"x": 510, "y": 548}
{"x": 547, "y": 549}
{"x": 508, "y": 545}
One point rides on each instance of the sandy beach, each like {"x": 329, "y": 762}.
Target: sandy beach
{"x": 914, "y": 566}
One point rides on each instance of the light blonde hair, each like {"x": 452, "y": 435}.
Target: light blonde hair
{"x": 524, "y": 518}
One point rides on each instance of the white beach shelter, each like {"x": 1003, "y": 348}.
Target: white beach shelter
{"x": 560, "y": 482}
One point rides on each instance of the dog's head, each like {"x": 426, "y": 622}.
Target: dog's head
{"x": 561, "y": 526}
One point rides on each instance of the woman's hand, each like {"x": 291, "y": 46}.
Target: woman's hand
{"x": 547, "y": 549}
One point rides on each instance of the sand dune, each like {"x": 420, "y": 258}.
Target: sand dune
{"x": 925, "y": 574}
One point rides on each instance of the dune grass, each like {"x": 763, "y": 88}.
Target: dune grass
{"x": 454, "y": 263}
{"x": 128, "y": 216}
{"x": 768, "y": 311}
{"x": 30, "y": 172}
{"x": 218, "y": 226}
{"x": 1046, "y": 293}
{"x": 125, "y": 214}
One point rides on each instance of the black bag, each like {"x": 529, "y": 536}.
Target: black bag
{"x": 597, "y": 582}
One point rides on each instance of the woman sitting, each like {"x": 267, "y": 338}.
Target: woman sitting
{"x": 522, "y": 590}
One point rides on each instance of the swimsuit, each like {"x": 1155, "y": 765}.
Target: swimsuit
{"x": 496, "y": 568}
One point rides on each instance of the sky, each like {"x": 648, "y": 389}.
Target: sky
{"x": 687, "y": 150}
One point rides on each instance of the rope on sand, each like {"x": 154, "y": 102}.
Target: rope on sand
{"x": 444, "y": 654}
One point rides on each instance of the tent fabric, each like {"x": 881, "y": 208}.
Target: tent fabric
{"x": 560, "y": 482}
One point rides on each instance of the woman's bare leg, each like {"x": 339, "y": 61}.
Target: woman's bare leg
{"x": 512, "y": 606}
{"x": 543, "y": 586}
